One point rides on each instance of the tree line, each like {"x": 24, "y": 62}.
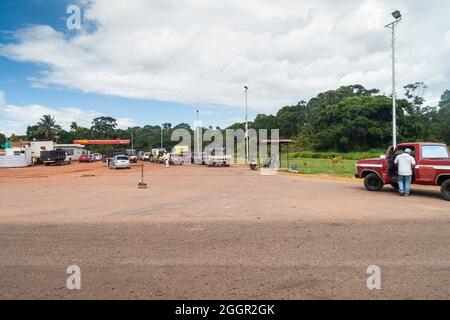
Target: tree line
{"x": 350, "y": 118}
{"x": 353, "y": 118}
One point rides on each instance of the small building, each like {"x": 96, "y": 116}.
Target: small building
{"x": 39, "y": 145}
{"x": 74, "y": 150}
{"x": 15, "y": 158}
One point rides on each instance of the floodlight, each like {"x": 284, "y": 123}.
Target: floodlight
{"x": 396, "y": 14}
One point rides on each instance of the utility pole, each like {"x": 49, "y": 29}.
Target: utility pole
{"x": 246, "y": 126}
{"x": 161, "y": 136}
{"x": 398, "y": 17}
{"x": 198, "y": 133}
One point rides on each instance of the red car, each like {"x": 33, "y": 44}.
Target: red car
{"x": 432, "y": 167}
{"x": 85, "y": 158}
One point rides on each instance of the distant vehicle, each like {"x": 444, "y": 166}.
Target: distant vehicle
{"x": 68, "y": 158}
{"x": 122, "y": 161}
{"x": 176, "y": 159}
{"x": 179, "y": 149}
{"x": 147, "y": 156}
{"x": 140, "y": 155}
{"x": 132, "y": 154}
{"x": 157, "y": 155}
{"x": 111, "y": 153}
{"x": 86, "y": 158}
{"x": 217, "y": 157}
{"x": 98, "y": 157}
{"x": 58, "y": 157}
{"x": 432, "y": 167}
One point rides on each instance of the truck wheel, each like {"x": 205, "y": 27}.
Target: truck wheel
{"x": 395, "y": 186}
{"x": 445, "y": 190}
{"x": 373, "y": 183}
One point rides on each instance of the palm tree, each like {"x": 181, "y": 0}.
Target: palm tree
{"x": 47, "y": 126}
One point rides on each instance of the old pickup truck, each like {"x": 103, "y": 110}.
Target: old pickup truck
{"x": 432, "y": 167}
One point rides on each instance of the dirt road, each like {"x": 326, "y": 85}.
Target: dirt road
{"x": 207, "y": 233}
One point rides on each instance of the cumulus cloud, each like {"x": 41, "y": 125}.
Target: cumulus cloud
{"x": 17, "y": 118}
{"x": 203, "y": 52}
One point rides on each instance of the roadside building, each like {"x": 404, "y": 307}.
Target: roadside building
{"x": 37, "y": 146}
{"x": 74, "y": 150}
{"x": 15, "y": 158}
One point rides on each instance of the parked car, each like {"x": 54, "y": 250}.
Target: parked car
{"x": 111, "y": 153}
{"x": 68, "y": 158}
{"x": 157, "y": 155}
{"x": 85, "y": 158}
{"x": 98, "y": 157}
{"x": 118, "y": 162}
{"x": 140, "y": 155}
{"x": 132, "y": 155}
{"x": 432, "y": 167}
{"x": 217, "y": 157}
{"x": 147, "y": 156}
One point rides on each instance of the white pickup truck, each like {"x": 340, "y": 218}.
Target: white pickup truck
{"x": 221, "y": 160}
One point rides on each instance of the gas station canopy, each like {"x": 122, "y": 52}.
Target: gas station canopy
{"x": 97, "y": 142}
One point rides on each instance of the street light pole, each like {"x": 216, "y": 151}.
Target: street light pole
{"x": 132, "y": 141}
{"x": 161, "y": 136}
{"x": 246, "y": 126}
{"x": 198, "y": 134}
{"x": 398, "y": 17}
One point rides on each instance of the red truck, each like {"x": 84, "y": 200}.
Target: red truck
{"x": 432, "y": 167}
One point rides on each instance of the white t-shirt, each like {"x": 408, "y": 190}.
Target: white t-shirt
{"x": 405, "y": 163}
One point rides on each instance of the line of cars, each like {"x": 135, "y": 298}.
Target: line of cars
{"x": 90, "y": 157}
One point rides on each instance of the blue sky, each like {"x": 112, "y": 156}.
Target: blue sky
{"x": 150, "y": 62}
{"x": 18, "y": 90}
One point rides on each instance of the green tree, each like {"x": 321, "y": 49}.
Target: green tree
{"x": 47, "y": 127}
{"x": 356, "y": 123}
{"x": 332, "y": 97}
{"x": 291, "y": 119}
{"x": 443, "y": 118}
{"x": 104, "y": 128}
{"x": 264, "y": 121}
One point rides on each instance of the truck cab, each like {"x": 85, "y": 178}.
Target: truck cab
{"x": 432, "y": 167}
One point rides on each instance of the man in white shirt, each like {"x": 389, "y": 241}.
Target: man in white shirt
{"x": 405, "y": 166}
{"x": 166, "y": 158}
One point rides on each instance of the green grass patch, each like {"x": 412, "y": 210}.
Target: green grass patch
{"x": 347, "y": 156}
{"x": 322, "y": 166}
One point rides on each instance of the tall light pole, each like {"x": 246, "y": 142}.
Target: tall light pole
{"x": 161, "y": 136}
{"x": 246, "y": 125}
{"x": 198, "y": 134}
{"x": 398, "y": 17}
{"x": 132, "y": 142}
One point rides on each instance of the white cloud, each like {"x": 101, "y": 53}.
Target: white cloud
{"x": 19, "y": 117}
{"x": 203, "y": 52}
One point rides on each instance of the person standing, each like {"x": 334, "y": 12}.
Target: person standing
{"x": 405, "y": 164}
{"x": 167, "y": 159}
